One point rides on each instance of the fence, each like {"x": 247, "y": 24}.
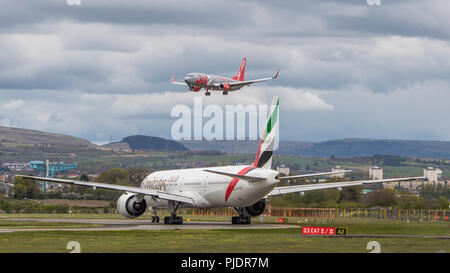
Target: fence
{"x": 332, "y": 213}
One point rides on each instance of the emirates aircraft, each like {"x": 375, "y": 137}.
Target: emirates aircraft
{"x": 197, "y": 81}
{"x": 244, "y": 188}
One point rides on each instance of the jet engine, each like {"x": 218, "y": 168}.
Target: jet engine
{"x": 255, "y": 209}
{"x": 130, "y": 206}
{"x": 224, "y": 86}
{"x": 194, "y": 88}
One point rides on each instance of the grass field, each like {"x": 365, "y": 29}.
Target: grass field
{"x": 272, "y": 240}
{"x": 243, "y": 240}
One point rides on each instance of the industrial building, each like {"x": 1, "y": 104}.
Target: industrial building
{"x": 375, "y": 173}
{"x": 338, "y": 169}
{"x": 283, "y": 170}
{"x": 432, "y": 174}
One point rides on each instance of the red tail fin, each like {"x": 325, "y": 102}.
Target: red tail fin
{"x": 240, "y": 75}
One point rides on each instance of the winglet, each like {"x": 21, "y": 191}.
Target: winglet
{"x": 173, "y": 78}
{"x": 276, "y": 75}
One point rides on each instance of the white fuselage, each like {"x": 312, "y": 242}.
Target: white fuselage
{"x": 210, "y": 82}
{"x": 210, "y": 190}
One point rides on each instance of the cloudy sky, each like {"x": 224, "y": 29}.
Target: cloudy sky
{"x": 347, "y": 69}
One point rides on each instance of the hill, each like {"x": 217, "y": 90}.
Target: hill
{"x": 369, "y": 147}
{"x": 25, "y": 136}
{"x": 146, "y": 143}
{"x": 338, "y": 148}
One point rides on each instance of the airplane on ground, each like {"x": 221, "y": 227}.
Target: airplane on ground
{"x": 244, "y": 188}
{"x": 197, "y": 81}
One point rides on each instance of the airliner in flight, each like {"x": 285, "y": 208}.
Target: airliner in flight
{"x": 244, "y": 188}
{"x": 197, "y": 81}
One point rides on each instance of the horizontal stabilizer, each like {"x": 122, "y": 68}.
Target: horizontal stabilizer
{"x": 238, "y": 176}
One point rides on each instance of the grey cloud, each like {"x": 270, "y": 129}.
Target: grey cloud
{"x": 350, "y": 54}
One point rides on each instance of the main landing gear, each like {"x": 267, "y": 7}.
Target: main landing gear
{"x": 173, "y": 219}
{"x": 207, "y": 93}
{"x": 225, "y": 93}
{"x": 155, "y": 218}
{"x": 241, "y": 219}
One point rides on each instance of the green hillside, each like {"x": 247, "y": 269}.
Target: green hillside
{"x": 12, "y": 136}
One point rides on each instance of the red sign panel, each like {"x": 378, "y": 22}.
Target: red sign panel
{"x": 318, "y": 231}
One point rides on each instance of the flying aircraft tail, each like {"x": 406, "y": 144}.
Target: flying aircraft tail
{"x": 269, "y": 138}
{"x": 240, "y": 75}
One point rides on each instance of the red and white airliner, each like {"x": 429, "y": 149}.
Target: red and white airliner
{"x": 244, "y": 188}
{"x": 197, "y": 81}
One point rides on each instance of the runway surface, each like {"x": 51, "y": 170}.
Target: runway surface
{"x": 113, "y": 224}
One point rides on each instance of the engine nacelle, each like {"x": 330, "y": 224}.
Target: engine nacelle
{"x": 224, "y": 86}
{"x": 255, "y": 209}
{"x": 129, "y": 206}
{"x": 194, "y": 88}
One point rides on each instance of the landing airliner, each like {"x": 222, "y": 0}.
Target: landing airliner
{"x": 244, "y": 188}
{"x": 197, "y": 81}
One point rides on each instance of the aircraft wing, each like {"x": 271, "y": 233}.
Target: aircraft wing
{"x": 243, "y": 83}
{"x": 177, "y": 83}
{"x": 300, "y": 176}
{"x": 151, "y": 192}
{"x": 334, "y": 185}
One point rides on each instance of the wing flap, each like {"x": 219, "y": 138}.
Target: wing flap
{"x": 321, "y": 186}
{"x": 311, "y": 175}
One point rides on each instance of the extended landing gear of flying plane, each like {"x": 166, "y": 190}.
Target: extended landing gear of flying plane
{"x": 225, "y": 92}
{"x": 241, "y": 219}
{"x": 173, "y": 219}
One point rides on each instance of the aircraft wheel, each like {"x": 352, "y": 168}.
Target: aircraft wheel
{"x": 173, "y": 220}
{"x": 225, "y": 92}
{"x": 239, "y": 220}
